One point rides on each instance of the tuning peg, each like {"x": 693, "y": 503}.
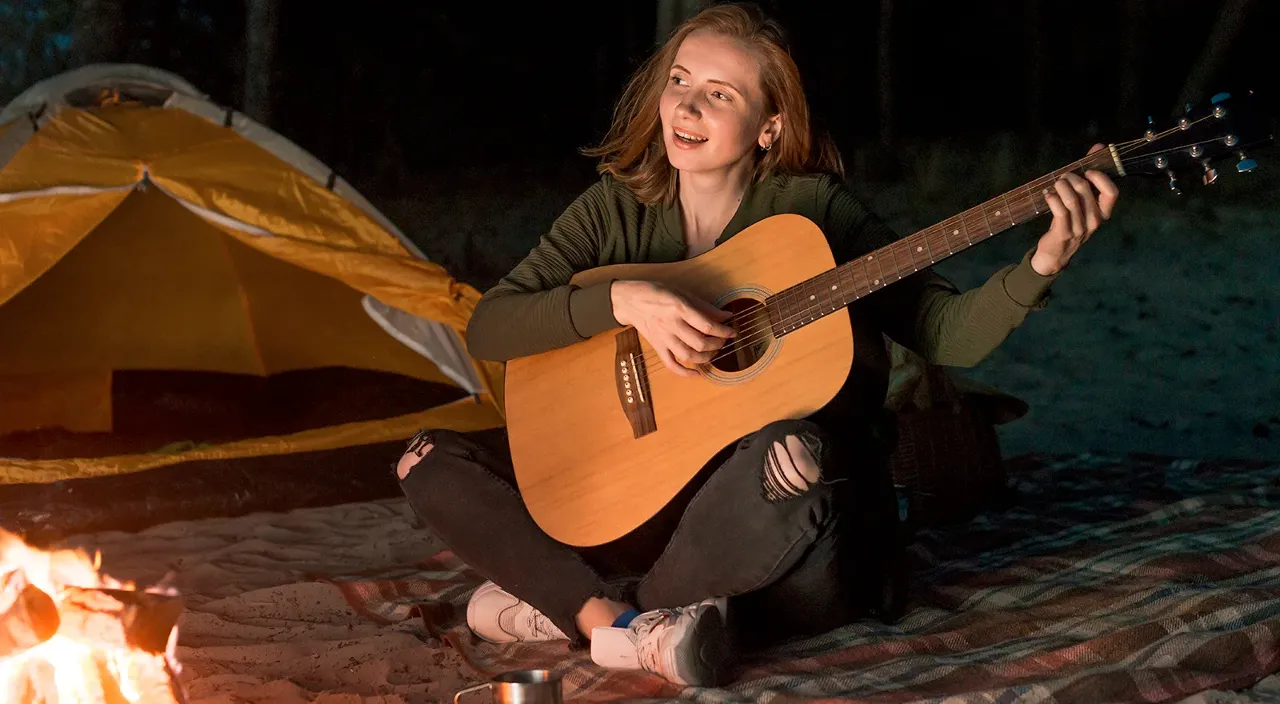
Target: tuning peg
{"x": 1173, "y": 182}
{"x": 1245, "y": 164}
{"x": 1210, "y": 174}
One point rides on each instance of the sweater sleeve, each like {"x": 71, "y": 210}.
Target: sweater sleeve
{"x": 534, "y": 308}
{"x": 925, "y": 312}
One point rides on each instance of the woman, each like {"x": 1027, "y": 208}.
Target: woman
{"x": 792, "y": 526}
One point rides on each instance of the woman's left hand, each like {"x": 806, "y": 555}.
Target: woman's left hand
{"x": 1077, "y": 214}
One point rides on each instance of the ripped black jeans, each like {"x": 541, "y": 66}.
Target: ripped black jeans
{"x": 796, "y": 557}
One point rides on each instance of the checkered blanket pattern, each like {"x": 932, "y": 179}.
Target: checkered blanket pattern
{"x": 1134, "y": 579}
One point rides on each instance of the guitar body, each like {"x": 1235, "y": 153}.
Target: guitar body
{"x": 602, "y": 436}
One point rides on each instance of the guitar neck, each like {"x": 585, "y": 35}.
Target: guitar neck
{"x": 832, "y": 290}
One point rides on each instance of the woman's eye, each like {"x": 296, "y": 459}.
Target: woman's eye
{"x": 719, "y": 96}
{"x": 677, "y": 80}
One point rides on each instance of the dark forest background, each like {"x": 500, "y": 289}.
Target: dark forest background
{"x": 384, "y": 90}
{"x": 463, "y": 121}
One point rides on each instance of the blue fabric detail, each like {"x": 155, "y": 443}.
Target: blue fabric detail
{"x": 625, "y": 618}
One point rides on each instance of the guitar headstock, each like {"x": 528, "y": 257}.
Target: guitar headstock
{"x": 1219, "y": 134}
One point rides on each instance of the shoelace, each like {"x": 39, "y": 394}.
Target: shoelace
{"x": 649, "y": 650}
{"x": 541, "y": 626}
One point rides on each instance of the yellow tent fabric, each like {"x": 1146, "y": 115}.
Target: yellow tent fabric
{"x": 148, "y": 237}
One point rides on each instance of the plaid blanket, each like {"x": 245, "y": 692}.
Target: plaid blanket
{"x": 1108, "y": 579}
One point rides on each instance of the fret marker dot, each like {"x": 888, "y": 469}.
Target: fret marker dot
{"x": 833, "y": 288}
{"x": 997, "y": 212}
{"x": 811, "y": 298}
{"x": 919, "y": 249}
{"x": 876, "y": 281}
{"x": 955, "y": 232}
{"x": 870, "y": 257}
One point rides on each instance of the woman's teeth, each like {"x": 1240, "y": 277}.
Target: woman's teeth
{"x": 689, "y": 138}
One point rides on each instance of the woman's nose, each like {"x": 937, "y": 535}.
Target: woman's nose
{"x": 688, "y": 106}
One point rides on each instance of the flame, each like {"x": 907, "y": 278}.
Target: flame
{"x": 70, "y": 667}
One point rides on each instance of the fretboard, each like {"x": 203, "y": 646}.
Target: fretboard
{"x": 832, "y": 290}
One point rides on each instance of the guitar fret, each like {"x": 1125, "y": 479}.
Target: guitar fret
{"x": 793, "y": 312}
{"x": 929, "y": 247}
{"x": 806, "y": 313}
{"x": 823, "y": 304}
{"x": 914, "y": 248}
{"x": 1008, "y": 210}
{"x": 789, "y": 308}
{"x": 983, "y": 209}
{"x": 897, "y": 266}
{"x": 866, "y": 272}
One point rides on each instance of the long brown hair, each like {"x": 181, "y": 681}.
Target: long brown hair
{"x": 634, "y": 152}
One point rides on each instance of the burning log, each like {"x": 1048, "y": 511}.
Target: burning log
{"x": 114, "y": 645}
{"x": 119, "y": 618}
{"x": 28, "y": 616}
{"x": 71, "y": 635}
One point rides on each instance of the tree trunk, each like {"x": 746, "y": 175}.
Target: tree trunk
{"x": 98, "y": 32}
{"x": 884, "y": 65}
{"x": 672, "y": 13}
{"x": 1132, "y": 23}
{"x": 1231, "y": 21}
{"x": 1035, "y": 67}
{"x": 260, "y": 39}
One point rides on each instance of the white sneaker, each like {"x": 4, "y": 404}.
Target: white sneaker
{"x": 498, "y": 617}
{"x": 688, "y": 646}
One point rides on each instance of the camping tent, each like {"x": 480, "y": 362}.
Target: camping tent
{"x": 172, "y": 271}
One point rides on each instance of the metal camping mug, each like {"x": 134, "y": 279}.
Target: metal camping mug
{"x": 520, "y": 687}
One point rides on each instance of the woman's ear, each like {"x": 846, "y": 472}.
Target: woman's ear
{"x": 771, "y": 131}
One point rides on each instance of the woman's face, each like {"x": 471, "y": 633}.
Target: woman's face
{"x": 713, "y": 106}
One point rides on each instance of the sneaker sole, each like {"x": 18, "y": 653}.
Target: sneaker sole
{"x": 708, "y": 665}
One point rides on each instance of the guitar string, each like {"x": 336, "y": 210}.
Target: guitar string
{"x": 962, "y": 219}
{"x": 757, "y": 332}
{"x": 765, "y": 329}
{"x": 1038, "y": 183}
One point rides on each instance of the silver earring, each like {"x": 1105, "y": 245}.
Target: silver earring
{"x": 768, "y": 146}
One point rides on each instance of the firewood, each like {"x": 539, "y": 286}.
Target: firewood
{"x": 120, "y": 618}
{"x": 28, "y": 616}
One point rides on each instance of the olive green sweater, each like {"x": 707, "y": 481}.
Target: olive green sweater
{"x": 534, "y": 308}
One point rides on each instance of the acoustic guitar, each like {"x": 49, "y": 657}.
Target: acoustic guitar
{"x": 602, "y": 436}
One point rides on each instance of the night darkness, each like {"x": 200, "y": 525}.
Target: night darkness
{"x": 441, "y": 112}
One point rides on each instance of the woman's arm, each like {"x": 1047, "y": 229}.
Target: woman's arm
{"x": 925, "y": 312}
{"x": 534, "y": 308}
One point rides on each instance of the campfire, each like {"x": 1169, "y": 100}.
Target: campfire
{"x": 70, "y": 635}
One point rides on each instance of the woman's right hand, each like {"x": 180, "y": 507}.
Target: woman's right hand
{"x": 684, "y": 332}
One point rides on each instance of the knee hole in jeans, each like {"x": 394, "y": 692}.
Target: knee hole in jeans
{"x": 791, "y": 467}
{"x": 419, "y": 446}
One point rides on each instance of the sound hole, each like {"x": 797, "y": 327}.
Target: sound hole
{"x": 751, "y": 320}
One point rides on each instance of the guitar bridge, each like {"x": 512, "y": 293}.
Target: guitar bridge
{"x": 632, "y": 377}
